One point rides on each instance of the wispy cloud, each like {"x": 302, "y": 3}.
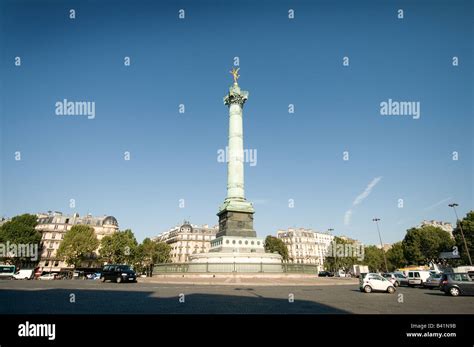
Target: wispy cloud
{"x": 361, "y": 197}
{"x": 347, "y": 217}
{"x": 437, "y": 204}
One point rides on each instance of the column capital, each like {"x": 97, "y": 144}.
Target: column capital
{"x": 236, "y": 96}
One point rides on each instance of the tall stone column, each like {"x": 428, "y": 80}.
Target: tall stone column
{"x": 235, "y": 165}
{"x": 236, "y": 214}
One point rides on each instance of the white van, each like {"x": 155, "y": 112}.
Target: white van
{"x": 417, "y": 277}
{"x": 26, "y": 274}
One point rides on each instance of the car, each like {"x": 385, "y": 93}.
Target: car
{"x": 118, "y": 273}
{"x": 47, "y": 277}
{"x": 7, "y": 271}
{"x": 433, "y": 281}
{"x": 325, "y": 274}
{"x": 78, "y": 275}
{"x": 401, "y": 278}
{"x": 373, "y": 282}
{"x": 392, "y": 278}
{"x": 456, "y": 284}
{"x": 25, "y": 274}
{"x": 93, "y": 276}
{"x": 417, "y": 277}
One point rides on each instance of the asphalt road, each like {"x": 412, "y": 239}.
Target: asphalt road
{"x": 93, "y": 297}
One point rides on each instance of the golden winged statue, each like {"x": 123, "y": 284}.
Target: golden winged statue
{"x": 235, "y": 73}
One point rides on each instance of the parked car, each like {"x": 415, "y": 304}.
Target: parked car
{"x": 118, "y": 273}
{"x": 392, "y": 278}
{"x": 401, "y": 278}
{"x": 7, "y": 271}
{"x": 433, "y": 281}
{"x": 325, "y": 274}
{"x": 78, "y": 275}
{"x": 47, "y": 277}
{"x": 456, "y": 284}
{"x": 373, "y": 282}
{"x": 93, "y": 276}
{"x": 417, "y": 278}
{"x": 24, "y": 274}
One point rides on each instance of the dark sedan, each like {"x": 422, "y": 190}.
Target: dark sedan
{"x": 325, "y": 274}
{"x": 118, "y": 273}
{"x": 456, "y": 284}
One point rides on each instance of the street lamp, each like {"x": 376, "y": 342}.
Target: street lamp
{"x": 376, "y": 220}
{"x": 453, "y": 205}
{"x": 333, "y": 250}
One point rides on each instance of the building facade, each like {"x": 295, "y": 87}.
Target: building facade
{"x": 305, "y": 246}
{"x": 188, "y": 239}
{"x": 438, "y": 224}
{"x": 53, "y": 227}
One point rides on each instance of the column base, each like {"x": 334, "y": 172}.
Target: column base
{"x": 236, "y": 219}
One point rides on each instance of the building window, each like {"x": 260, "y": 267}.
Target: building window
{"x": 53, "y": 236}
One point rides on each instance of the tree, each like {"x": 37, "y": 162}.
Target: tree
{"x": 20, "y": 231}
{"x": 396, "y": 257}
{"x": 422, "y": 245}
{"x": 467, "y": 224}
{"x": 341, "y": 255}
{"x": 373, "y": 258}
{"x": 78, "y": 245}
{"x": 119, "y": 248}
{"x": 150, "y": 253}
{"x": 274, "y": 244}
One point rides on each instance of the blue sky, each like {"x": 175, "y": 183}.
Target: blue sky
{"x": 282, "y": 61}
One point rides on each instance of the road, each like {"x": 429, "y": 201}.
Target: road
{"x": 93, "y": 297}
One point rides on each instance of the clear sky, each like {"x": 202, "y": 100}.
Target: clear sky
{"x": 282, "y": 61}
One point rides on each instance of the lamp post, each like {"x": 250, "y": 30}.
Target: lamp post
{"x": 330, "y": 230}
{"x": 453, "y": 205}
{"x": 376, "y": 220}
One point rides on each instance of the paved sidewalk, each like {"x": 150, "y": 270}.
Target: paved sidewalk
{"x": 251, "y": 281}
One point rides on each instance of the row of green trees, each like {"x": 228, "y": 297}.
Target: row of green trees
{"x": 80, "y": 245}
{"x": 121, "y": 247}
{"x": 419, "y": 247}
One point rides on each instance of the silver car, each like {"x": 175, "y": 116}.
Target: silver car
{"x": 433, "y": 281}
{"x": 397, "y": 279}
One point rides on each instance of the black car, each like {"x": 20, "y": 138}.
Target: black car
{"x": 456, "y": 284}
{"x": 118, "y": 273}
{"x": 325, "y": 274}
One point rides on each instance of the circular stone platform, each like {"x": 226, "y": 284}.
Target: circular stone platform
{"x": 233, "y": 257}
